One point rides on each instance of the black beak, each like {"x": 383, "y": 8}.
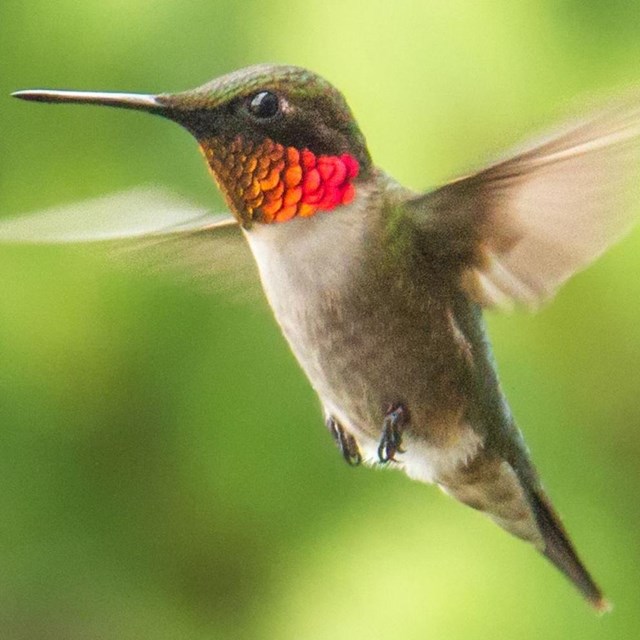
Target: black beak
{"x": 137, "y": 101}
{"x": 198, "y": 121}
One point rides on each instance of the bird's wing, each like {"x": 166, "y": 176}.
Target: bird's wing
{"x": 145, "y": 227}
{"x": 517, "y": 230}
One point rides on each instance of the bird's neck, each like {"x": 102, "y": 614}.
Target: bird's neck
{"x": 324, "y": 250}
{"x": 268, "y": 183}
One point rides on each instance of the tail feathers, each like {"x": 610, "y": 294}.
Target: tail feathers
{"x": 515, "y": 502}
{"x": 561, "y": 552}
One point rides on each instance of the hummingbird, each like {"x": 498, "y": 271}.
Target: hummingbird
{"x": 378, "y": 289}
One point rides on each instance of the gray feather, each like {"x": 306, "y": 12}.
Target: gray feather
{"x": 520, "y": 228}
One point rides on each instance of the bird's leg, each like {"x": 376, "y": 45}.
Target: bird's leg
{"x": 395, "y": 419}
{"x": 347, "y": 443}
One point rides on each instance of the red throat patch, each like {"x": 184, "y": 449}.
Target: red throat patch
{"x": 268, "y": 182}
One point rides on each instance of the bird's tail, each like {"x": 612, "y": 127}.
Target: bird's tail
{"x": 491, "y": 485}
{"x": 559, "y": 549}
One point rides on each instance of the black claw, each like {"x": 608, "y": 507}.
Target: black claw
{"x": 391, "y": 442}
{"x": 346, "y": 442}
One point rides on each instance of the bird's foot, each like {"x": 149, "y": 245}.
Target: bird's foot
{"x": 347, "y": 443}
{"x": 395, "y": 419}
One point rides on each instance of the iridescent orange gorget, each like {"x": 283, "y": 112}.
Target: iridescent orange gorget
{"x": 268, "y": 182}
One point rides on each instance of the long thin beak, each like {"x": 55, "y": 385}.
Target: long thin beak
{"x": 141, "y": 102}
{"x": 195, "y": 118}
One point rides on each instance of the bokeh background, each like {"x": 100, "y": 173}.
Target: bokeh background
{"x": 164, "y": 470}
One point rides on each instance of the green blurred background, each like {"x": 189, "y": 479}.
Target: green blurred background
{"x": 164, "y": 468}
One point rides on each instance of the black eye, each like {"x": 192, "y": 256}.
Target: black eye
{"x": 264, "y": 105}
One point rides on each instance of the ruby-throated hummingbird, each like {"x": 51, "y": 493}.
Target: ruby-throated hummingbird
{"x": 380, "y": 290}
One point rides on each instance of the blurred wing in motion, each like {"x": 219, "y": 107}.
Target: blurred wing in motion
{"x": 149, "y": 228}
{"x": 519, "y": 229}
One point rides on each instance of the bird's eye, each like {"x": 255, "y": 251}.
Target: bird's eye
{"x": 264, "y": 105}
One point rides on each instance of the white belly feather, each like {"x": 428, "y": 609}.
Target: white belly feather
{"x": 304, "y": 259}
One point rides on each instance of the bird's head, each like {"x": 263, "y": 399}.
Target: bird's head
{"x": 280, "y": 141}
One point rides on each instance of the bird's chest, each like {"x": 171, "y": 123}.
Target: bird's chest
{"x": 366, "y": 333}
